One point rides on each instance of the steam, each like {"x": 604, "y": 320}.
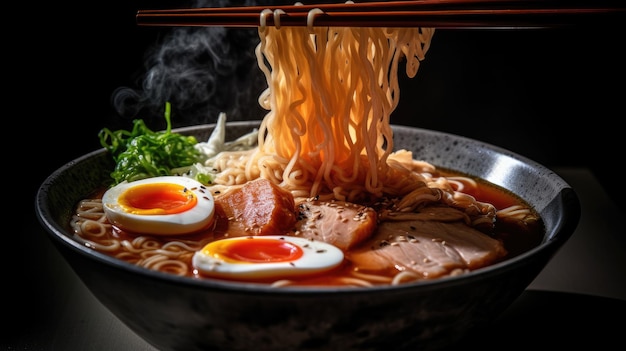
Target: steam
{"x": 201, "y": 71}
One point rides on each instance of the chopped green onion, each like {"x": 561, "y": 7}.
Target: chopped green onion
{"x": 143, "y": 153}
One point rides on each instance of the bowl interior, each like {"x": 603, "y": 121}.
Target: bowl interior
{"x": 549, "y": 194}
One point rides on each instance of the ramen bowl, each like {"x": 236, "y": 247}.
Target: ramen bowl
{"x": 180, "y": 313}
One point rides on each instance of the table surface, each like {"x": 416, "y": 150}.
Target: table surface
{"x": 580, "y": 296}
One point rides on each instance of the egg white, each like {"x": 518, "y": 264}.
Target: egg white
{"x": 317, "y": 257}
{"x": 194, "y": 219}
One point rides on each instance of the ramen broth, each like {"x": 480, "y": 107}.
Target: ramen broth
{"x": 517, "y": 237}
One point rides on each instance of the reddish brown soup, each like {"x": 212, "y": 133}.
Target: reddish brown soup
{"x": 517, "y": 237}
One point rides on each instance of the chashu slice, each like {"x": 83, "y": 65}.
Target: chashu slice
{"x": 343, "y": 224}
{"x": 257, "y": 208}
{"x": 429, "y": 249}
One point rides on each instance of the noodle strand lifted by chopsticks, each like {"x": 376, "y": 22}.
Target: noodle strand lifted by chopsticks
{"x": 331, "y": 91}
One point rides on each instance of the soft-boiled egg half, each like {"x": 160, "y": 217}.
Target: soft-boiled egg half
{"x": 167, "y": 205}
{"x": 266, "y": 256}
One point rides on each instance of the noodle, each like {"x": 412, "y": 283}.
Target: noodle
{"x": 330, "y": 95}
{"x": 91, "y": 227}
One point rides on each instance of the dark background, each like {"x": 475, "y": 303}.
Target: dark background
{"x": 554, "y": 95}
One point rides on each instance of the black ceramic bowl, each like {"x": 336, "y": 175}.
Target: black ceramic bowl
{"x": 175, "y": 313}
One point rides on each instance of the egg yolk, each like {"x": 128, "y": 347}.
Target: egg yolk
{"x": 254, "y": 251}
{"x": 157, "y": 199}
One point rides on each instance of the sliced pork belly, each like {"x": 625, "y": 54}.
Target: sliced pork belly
{"x": 340, "y": 223}
{"x": 257, "y": 208}
{"x": 429, "y": 249}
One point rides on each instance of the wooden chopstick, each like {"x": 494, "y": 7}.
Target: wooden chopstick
{"x": 424, "y": 13}
{"x": 398, "y": 5}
